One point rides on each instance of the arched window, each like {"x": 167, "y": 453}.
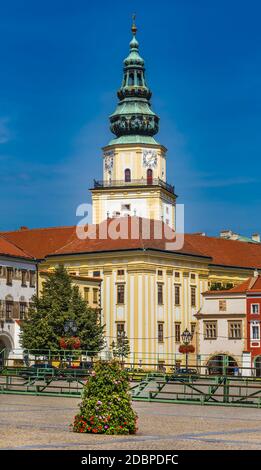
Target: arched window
{"x": 149, "y": 176}
{"x": 127, "y": 175}
{"x": 131, "y": 79}
{"x": 139, "y": 79}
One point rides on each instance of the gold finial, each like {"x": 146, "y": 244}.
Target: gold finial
{"x": 134, "y": 27}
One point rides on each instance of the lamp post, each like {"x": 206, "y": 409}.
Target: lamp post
{"x": 70, "y": 329}
{"x": 186, "y": 339}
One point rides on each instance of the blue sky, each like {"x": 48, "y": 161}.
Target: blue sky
{"x": 61, "y": 65}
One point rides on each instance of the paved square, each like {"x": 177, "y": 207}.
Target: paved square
{"x": 31, "y": 422}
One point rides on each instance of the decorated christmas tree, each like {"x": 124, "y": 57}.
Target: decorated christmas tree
{"x": 106, "y": 405}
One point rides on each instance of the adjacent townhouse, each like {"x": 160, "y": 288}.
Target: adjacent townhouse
{"x": 229, "y": 329}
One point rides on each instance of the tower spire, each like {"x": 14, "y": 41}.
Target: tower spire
{"x": 133, "y": 120}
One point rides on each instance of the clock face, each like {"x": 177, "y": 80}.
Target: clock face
{"x": 108, "y": 161}
{"x": 150, "y": 158}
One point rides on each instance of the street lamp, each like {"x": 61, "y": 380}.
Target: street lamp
{"x": 186, "y": 339}
{"x": 70, "y": 327}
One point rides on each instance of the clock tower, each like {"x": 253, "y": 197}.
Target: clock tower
{"x": 134, "y": 163}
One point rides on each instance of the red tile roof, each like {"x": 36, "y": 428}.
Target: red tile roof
{"x": 150, "y": 234}
{"x": 40, "y": 242}
{"x": 9, "y": 249}
{"x": 63, "y": 240}
{"x": 227, "y": 252}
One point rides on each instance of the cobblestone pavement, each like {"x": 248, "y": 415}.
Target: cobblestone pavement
{"x": 31, "y": 422}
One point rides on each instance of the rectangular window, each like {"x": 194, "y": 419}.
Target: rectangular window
{"x": 9, "y": 276}
{"x": 192, "y": 328}
{"x": 254, "y": 308}
{"x": 96, "y": 273}
{"x": 9, "y": 308}
{"x": 222, "y": 305}
{"x": 177, "y": 274}
{"x": 210, "y": 330}
{"x": 120, "y": 294}
{"x": 95, "y": 295}
{"x": 120, "y": 272}
{"x": 160, "y": 332}
{"x": 86, "y": 292}
{"x": 234, "y": 330}
{"x": 177, "y": 332}
{"x": 159, "y": 272}
{"x": 193, "y": 276}
{"x": 32, "y": 279}
{"x": 120, "y": 328}
{"x": 160, "y": 294}
{"x": 22, "y": 310}
{"x": 255, "y": 330}
{"x": 24, "y": 278}
{"x": 193, "y": 296}
{"x": 177, "y": 295}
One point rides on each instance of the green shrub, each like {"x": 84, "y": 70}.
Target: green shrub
{"x": 106, "y": 405}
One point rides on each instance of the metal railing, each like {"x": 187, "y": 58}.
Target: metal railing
{"x": 133, "y": 183}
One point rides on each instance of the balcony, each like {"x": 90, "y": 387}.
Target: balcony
{"x": 134, "y": 183}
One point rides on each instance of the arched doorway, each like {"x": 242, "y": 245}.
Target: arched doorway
{"x": 149, "y": 176}
{"x": 258, "y": 366}
{"x": 5, "y": 342}
{"x": 5, "y": 347}
{"x": 221, "y": 364}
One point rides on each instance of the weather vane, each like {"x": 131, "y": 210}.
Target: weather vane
{"x": 134, "y": 27}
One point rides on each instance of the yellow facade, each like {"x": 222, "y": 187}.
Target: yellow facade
{"x": 89, "y": 287}
{"x": 140, "y": 273}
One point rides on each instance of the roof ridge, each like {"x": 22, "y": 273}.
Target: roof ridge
{"x": 2, "y": 233}
{"x": 198, "y": 235}
{"x": 28, "y": 255}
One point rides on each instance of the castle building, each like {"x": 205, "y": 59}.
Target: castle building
{"x": 151, "y": 291}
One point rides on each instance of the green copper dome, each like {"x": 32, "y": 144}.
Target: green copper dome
{"x": 133, "y": 115}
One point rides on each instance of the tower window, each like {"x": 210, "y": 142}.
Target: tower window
{"x": 139, "y": 78}
{"x": 131, "y": 79}
{"x": 125, "y": 207}
{"x": 127, "y": 175}
{"x": 149, "y": 176}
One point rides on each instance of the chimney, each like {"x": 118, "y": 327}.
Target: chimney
{"x": 203, "y": 234}
{"x": 256, "y": 237}
{"x": 226, "y": 234}
{"x": 234, "y": 236}
{"x": 23, "y": 227}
